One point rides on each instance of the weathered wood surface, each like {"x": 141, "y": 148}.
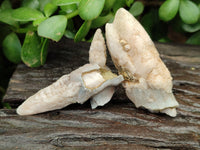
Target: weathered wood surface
{"x": 118, "y": 125}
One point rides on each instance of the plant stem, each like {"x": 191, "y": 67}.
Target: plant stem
{"x": 44, "y": 42}
{"x": 72, "y": 14}
{"x": 24, "y": 30}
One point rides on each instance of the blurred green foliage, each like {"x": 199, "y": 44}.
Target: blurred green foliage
{"x": 26, "y": 26}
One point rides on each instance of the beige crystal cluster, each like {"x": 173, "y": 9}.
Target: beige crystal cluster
{"x": 148, "y": 82}
{"x": 144, "y": 76}
{"x": 93, "y": 80}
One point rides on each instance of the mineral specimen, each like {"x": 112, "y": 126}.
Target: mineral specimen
{"x": 148, "y": 82}
{"x": 76, "y": 87}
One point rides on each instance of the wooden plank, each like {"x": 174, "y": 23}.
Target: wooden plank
{"x": 118, "y": 125}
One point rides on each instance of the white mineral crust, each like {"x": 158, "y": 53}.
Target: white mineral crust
{"x": 76, "y": 87}
{"x": 148, "y": 82}
{"x": 97, "y": 55}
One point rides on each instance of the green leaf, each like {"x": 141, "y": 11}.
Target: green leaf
{"x": 34, "y": 4}
{"x": 194, "y": 39}
{"x": 69, "y": 34}
{"x": 6, "y": 17}
{"x": 6, "y": 5}
{"x": 189, "y": 12}
{"x": 69, "y": 8}
{"x": 65, "y": 2}
{"x": 137, "y": 8}
{"x": 119, "y": 4}
{"x": 168, "y": 10}
{"x": 149, "y": 20}
{"x": 108, "y": 5}
{"x": 100, "y": 21}
{"x": 26, "y": 14}
{"x": 83, "y": 31}
{"x": 53, "y": 28}
{"x": 164, "y": 40}
{"x": 4, "y": 30}
{"x": 49, "y": 9}
{"x": 42, "y": 3}
{"x": 12, "y": 48}
{"x": 129, "y": 2}
{"x": 70, "y": 25}
{"x": 90, "y": 9}
{"x": 38, "y": 21}
{"x": 70, "y": 31}
{"x": 34, "y": 50}
{"x": 191, "y": 27}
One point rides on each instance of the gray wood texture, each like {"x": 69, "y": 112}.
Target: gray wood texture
{"x": 117, "y": 125}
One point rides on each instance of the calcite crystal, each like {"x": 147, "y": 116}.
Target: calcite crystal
{"x": 145, "y": 77}
{"x": 97, "y": 55}
{"x": 76, "y": 87}
{"x": 97, "y": 52}
{"x": 148, "y": 82}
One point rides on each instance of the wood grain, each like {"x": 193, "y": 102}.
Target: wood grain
{"x": 117, "y": 125}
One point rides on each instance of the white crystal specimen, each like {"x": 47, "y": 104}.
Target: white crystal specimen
{"x": 97, "y": 52}
{"x": 102, "y": 97}
{"x": 148, "y": 82}
{"x": 97, "y": 55}
{"x": 76, "y": 87}
{"x": 93, "y": 79}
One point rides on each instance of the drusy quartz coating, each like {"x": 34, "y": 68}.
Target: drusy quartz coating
{"x": 76, "y": 87}
{"x": 148, "y": 82}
